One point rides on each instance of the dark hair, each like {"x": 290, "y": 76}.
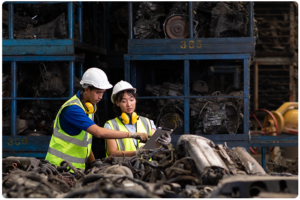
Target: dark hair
{"x": 91, "y": 87}
{"x": 118, "y": 97}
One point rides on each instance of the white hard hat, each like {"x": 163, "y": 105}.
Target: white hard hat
{"x": 121, "y": 86}
{"x": 95, "y": 77}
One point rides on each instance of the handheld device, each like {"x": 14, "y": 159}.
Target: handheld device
{"x": 151, "y": 143}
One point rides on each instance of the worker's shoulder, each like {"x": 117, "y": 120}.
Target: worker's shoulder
{"x": 73, "y": 109}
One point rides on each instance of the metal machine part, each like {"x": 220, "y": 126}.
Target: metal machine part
{"x": 150, "y": 16}
{"x": 208, "y": 115}
{"x": 210, "y": 19}
{"x": 177, "y": 26}
{"x": 286, "y": 117}
{"x": 196, "y": 168}
{"x": 229, "y": 20}
{"x": 200, "y": 86}
{"x": 53, "y": 29}
{"x": 256, "y": 186}
{"x": 200, "y": 149}
{"x": 19, "y": 22}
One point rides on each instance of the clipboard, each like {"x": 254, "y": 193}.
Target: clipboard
{"x": 151, "y": 143}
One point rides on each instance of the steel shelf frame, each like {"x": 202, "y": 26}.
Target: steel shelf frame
{"x": 195, "y": 49}
{"x": 26, "y": 50}
{"x": 204, "y": 49}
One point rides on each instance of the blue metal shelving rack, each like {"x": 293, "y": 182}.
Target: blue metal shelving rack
{"x": 195, "y": 49}
{"x": 204, "y": 49}
{"x": 15, "y": 50}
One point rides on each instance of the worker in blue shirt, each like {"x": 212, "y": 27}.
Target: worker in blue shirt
{"x": 74, "y": 124}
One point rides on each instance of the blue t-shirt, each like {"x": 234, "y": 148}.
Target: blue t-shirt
{"x": 73, "y": 119}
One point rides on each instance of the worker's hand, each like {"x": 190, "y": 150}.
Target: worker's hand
{"x": 143, "y": 137}
{"x": 164, "y": 139}
{"x": 140, "y": 151}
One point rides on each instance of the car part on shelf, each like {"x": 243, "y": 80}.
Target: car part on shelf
{"x": 229, "y": 20}
{"x": 177, "y": 26}
{"x": 210, "y": 19}
{"x": 19, "y": 22}
{"x": 54, "y": 29}
{"x": 208, "y": 115}
{"x": 150, "y": 16}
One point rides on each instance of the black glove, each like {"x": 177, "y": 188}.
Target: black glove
{"x": 164, "y": 139}
{"x": 96, "y": 163}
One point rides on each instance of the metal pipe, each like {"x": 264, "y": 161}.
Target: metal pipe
{"x": 263, "y": 157}
{"x": 251, "y": 24}
{"x": 80, "y": 70}
{"x": 13, "y": 95}
{"x": 71, "y": 78}
{"x": 70, "y": 20}
{"x": 186, "y": 100}
{"x": 11, "y": 21}
{"x": 80, "y": 13}
{"x": 246, "y": 94}
{"x": 191, "y": 18}
{"x": 130, "y": 20}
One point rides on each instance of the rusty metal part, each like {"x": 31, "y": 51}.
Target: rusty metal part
{"x": 177, "y": 27}
{"x": 200, "y": 86}
{"x": 14, "y": 165}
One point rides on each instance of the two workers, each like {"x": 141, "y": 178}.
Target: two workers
{"x": 74, "y": 124}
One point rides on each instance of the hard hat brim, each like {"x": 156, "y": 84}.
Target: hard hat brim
{"x": 112, "y": 95}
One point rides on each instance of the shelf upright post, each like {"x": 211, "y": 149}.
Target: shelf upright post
{"x": 186, "y": 98}
{"x": 13, "y": 122}
{"x": 191, "y": 18}
{"x": 130, "y": 20}
{"x": 71, "y": 36}
{"x": 263, "y": 157}
{"x": 246, "y": 96}
{"x": 79, "y": 9}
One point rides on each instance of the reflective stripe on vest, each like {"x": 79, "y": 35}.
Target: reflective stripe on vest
{"x": 127, "y": 144}
{"x": 63, "y": 146}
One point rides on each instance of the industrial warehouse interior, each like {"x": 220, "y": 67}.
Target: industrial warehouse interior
{"x": 154, "y": 99}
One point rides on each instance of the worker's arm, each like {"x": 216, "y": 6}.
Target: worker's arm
{"x": 112, "y": 148}
{"x": 152, "y": 131}
{"x": 112, "y": 134}
{"x": 91, "y": 158}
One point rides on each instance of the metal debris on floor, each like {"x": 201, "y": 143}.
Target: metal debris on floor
{"x": 195, "y": 168}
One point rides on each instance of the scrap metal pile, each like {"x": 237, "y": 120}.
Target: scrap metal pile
{"x": 48, "y": 79}
{"x": 210, "y": 19}
{"x": 193, "y": 169}
{"x": 208, "y": 115}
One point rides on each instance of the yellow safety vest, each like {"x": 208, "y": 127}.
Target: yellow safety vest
{"x": 75, "y": 149}
{"x": 127, "y": 144}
